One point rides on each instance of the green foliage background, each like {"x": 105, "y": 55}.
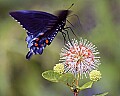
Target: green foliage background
{"x": 100, "y": 21}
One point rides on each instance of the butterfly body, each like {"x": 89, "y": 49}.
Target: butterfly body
{"x": 42, "y": 27}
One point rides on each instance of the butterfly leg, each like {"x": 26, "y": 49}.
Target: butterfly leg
{"x": 77, "y": 20}
{"x": 71, "y": 31}
{"x": 68, "y": 36}
{"x": 64, "y": 36}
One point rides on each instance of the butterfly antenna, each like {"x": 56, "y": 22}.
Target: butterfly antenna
{"x": 70, "y": 6}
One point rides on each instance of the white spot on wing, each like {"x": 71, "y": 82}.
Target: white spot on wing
{"x": 41, "y": 33}
{"x": 19, "y": 23}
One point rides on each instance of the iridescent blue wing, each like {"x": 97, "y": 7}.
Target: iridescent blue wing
{"x": 33, "y": 21}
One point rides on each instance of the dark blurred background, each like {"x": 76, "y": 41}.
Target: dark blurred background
{"x": 100, "y": 21}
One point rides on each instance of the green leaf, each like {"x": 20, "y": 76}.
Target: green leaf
{"x": 51, "y": 75}
{"x": 103, "y": 94}
{"x": 67, "y": 78}
{"x": 86, "y": 85}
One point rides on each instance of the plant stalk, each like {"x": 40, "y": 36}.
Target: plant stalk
{"x": 76, "y": 91}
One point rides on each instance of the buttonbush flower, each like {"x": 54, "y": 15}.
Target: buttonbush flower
{"x": 79, "y": 57}
{"x": 59, "y": 68}
{"x": 95, "y": 75}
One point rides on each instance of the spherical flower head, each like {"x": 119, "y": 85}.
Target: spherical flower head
{"x": 95, "y": 75}
{"x": 79, "y": 57}
{"x": 59, "y": 68}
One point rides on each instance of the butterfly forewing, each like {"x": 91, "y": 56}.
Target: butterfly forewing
{"x": 33, "y": 21}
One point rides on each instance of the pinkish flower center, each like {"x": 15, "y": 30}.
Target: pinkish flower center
{"x": 80, "y": 54}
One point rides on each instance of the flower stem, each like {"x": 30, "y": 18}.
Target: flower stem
{"x": 75, "y": 94}
{"x": 76, "y": 91}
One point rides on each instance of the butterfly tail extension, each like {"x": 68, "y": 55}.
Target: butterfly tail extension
{"x": 34, "y": 51}
{"x": 29, "y": 55}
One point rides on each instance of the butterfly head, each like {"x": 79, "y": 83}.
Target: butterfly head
{"x": 63, "y": 13}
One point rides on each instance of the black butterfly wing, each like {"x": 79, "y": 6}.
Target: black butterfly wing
{"x": 33, "y": 21}
{"x": 42, "y": 28}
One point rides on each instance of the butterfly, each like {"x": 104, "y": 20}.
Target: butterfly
{"x": 41, "y": 27}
